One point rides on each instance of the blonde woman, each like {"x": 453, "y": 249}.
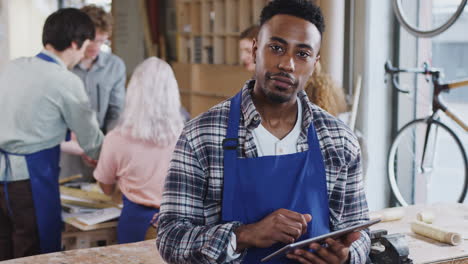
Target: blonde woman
{"x": 325, "y": 93}
{"x": 136, "y": 154}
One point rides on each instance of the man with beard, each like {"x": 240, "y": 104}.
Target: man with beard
{"x": 267, "y": 167}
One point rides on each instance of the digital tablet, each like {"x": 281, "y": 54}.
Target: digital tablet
{"x": 319, "y": 239}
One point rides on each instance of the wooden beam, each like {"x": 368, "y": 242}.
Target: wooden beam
{"x": 90, "y": 204}
{"x": 219, "y": 21}
{"x": 218, "y": 50}
{"x": 150, "y": 49}
{"x": 69, "y": 179}
{"x": 93, "y": 196}
{"x": 82, "y": 226}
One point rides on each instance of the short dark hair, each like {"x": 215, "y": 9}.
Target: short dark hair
{"x": 304, "y": 9}
{"x": 250, "y": 33}
{"x": 65, "y": 26}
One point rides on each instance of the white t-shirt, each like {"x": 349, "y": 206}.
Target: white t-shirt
{"x": 269, "y": 145}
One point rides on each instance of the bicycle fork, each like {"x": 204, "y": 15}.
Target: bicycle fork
{"x": 427, "y": 161}
{"x": 429, "y": 149}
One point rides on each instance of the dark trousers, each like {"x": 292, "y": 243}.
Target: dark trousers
{"x": 18, "y": 229}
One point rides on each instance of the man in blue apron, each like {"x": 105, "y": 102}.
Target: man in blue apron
{"x": 267, "y": 167}
{"x": 40, "y": 100}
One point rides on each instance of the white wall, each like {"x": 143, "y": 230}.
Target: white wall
{"x": 25, "y": 21}
{"x": 4, "y": 45}
{"x": 332, "y": 50}
{"x": 128, "y": 36}
{"x": 373, "y": 46}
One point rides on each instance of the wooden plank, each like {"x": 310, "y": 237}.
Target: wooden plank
{"x": 207, "y": 52}
{"x": 232, "y": 50}
{"x": 90, "y": 204}
{"x": 93, "y": 196}
{"x": 195, "y": 17}
{"x": 69, "y": 179}
{"x": 232, "y": 15}
{"x": 180, "y": 16}
{"x": 182, "y": 49}
{"x": 150, "y": 49}
{"x": 206, "y": 8}
{"x": 218, "y": 50}
{"x": 196, "y": 48}
{"x": 450, "y": 216}
{"x": 183, "y": 17}
{"x": 82, "y": 226}
{"x": 257, "y": 6}
{"x": 219, "y": 19}
{"x": 245, "y": 15}
{"x": 141, "y": 252}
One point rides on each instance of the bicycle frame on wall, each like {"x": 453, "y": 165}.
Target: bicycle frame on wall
{"x": 422, "y": 146}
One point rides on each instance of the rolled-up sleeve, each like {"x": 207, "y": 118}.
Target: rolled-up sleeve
{"x": 81, "y": 119}
{"x": 355, "y": 206}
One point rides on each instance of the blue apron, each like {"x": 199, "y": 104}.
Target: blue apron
{"x": 43, "y": 168}
{"x": 255, "y": 187}
{"x": 134, "y": 221}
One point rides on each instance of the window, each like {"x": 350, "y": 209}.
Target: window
{"x": 449, "y": 52}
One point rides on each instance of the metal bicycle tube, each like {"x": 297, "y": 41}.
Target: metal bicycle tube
{"x": 426, "y": 137}
{"x": 457, "y": 120}
{"x": 457, "y": 84}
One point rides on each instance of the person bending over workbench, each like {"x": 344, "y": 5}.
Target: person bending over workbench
{"x": 41, "y": 99}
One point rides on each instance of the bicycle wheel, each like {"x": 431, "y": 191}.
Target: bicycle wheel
{"x": 440, "y": 177}
{"x": 423, "y": 33}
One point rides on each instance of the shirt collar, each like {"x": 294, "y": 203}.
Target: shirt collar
{"x": 55, "y": 57}
{"x": 101, "y": 59}
{"x": 99, "y": 62}
{"x": 252, "y": 118}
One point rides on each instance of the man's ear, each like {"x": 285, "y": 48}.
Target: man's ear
{"x": 254, "y": 50}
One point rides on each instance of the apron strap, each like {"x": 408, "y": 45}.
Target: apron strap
{"x": 5, "y": 181}
{"x": 230, "y": 144}
{"x": 231, "y": 141}
{"x": 312, "y": 137}
{"x": 46, "y": 57}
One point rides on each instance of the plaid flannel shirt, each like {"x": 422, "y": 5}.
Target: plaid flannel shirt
{"x": 189, "y": 226}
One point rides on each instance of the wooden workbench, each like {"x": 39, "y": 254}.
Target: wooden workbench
{"x": 136, "y": 253}
{"x": 425, "y": 250}
{"x": 422, "y": 250}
